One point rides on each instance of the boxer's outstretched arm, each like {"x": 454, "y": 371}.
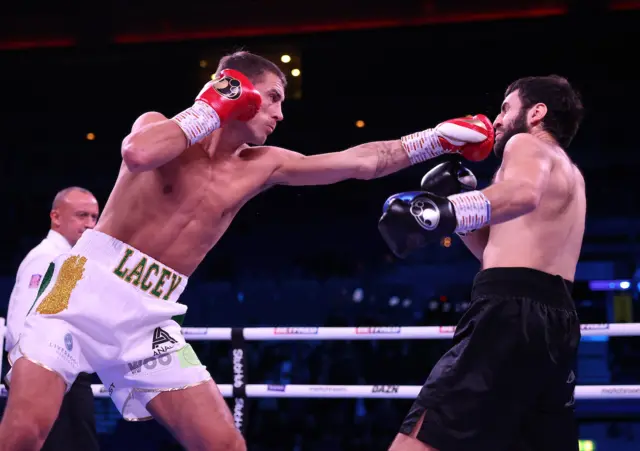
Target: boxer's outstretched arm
{"x": 154, "y": 140}
{"x": 366, "y": 161}
{"x": 526, "y": 167}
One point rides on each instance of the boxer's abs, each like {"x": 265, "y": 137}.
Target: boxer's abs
{"x": 555, "y": 252}
{"x": 177, "y": 214}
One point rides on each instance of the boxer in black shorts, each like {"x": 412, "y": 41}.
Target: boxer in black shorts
{"x": 507, "y": 382}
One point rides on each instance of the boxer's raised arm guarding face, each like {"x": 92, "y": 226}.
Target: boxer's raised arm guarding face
{"x": 155, "y": 140}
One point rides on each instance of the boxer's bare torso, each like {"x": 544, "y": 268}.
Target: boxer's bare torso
{"x": 178, "y": 212}
{"x": 550, "y": 237}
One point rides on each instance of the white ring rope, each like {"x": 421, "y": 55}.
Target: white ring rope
{"x": 369, "y": 333}
{"x": 375, "y": 333}
{"x": 584, "y": 392}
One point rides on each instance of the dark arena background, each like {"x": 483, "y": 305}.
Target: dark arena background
{"x": 74, "y": 78}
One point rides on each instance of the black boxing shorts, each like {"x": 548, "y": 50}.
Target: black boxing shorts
{"x": 507, "y": 383}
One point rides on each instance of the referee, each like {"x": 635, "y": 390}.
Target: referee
{"x": 74, "y": 210}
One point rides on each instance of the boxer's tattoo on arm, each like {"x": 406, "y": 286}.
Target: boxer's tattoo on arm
{"x": 391, "y": 158}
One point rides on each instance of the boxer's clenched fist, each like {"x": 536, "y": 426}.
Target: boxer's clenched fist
{"x": 230, "y": 96}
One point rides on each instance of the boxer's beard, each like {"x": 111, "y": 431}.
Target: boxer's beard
{"x": 519, "y": 125}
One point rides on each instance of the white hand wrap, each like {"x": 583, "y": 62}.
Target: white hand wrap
{"x": 197, "y": 121}
{"x": 422, "y": 146}
{"x": 473, "y": 211}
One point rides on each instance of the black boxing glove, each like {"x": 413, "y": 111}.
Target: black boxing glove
{"x": 412, "y": 220}
{"x": 449, "y": 178}
{"x": 409, "y": 224}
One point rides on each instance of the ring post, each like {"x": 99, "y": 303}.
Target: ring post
{"x": 239, "y": 393}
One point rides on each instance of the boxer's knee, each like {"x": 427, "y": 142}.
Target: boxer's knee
{"x": 240, "y": 444}
{"x": 405, "y": 443}
{"x": 24, "y": 430}
{"x": 232, "y": 442}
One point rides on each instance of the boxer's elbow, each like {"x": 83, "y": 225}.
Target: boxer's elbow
{"x": 134, "y": 155}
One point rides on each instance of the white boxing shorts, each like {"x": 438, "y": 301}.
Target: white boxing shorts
{"x": 107, "y": 308}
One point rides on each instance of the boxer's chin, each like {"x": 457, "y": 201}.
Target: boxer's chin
{"x": 256, "y": 138}
{"x": 498, "y": 147}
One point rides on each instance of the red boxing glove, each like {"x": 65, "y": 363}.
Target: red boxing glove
{"x": 230, "y": 96}
{"x": 473, "y": 137}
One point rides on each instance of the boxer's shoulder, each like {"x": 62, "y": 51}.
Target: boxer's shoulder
{"x": 273, "y": 154}
{"x": 521, "y": 141}
{"x": 266, "y": 156}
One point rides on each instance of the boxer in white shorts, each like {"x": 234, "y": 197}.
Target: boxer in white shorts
{"x": 101, "y": 287}
{"x": 110, "y": 304}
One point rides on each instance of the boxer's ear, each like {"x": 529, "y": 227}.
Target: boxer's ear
{"x": 536, "y": 114}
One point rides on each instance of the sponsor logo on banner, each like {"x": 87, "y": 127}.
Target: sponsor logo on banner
{"x": 447, "y": 329}
{"x": 385, "y": 389}
{"x": 378, "y": 330}
{"x": 594, "y": 326}
{"x": 237, "y": 356}
{"x": 238, "y": 371}
{"x": 34, "y": 282}
{"x": 295, "y": 330}
{"x": 238, "y": 413}
{"x": 276, "y": 388}
{"x": 195, "y": 331}
{"x": 620, "y": 390}
{"x": 328, "y": 388}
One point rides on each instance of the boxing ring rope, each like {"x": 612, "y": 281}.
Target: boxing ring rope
{"x": 240, "y": 390}
{"x": 590, "y": 392}
{"x": 374, "y": 333}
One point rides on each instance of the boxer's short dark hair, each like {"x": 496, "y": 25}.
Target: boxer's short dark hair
{"x": 564, "y": 107}
{"x": 251, "y": 65}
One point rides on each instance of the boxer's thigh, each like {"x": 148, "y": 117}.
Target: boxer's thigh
{"x": 551, "y": 424}
{"x": 33, "y": 403}
{"x": 198, "y": 417}
{"x": 479, "y": 392}
{"x": 550, "y": 431}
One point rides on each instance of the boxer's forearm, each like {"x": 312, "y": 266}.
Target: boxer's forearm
{"x": 153, "y": 145}
{"x": 511, "y": 199}
{"x": 477, "y": 241}
{"x": 380, "y": 158}
{"x": 366, "y": 161}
